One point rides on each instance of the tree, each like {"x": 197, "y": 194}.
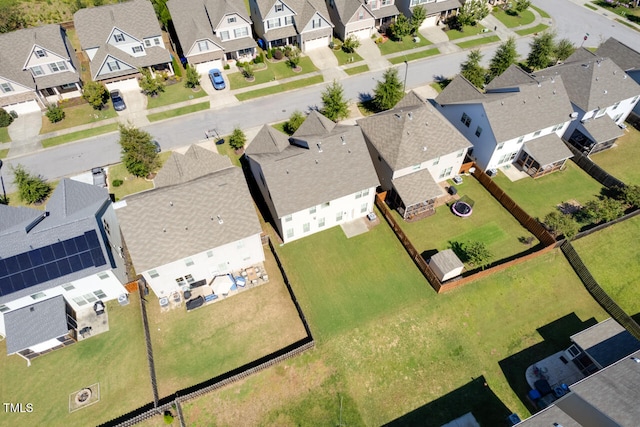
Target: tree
{"x": 149, "y": 84}
{"x": 504, "y": 57}
{"x": 473, "y": 11}
{"x": 11, "y": 17}
{"x": 522, "y": 5}
{"x": 472, "y": 70}
{"x": 601, "y": 210}
{"x": 563, "y": 49}
{"x": 418, "y": 15}
{"x": 162, "y": 12}
{"x": 237, "y": 139}
{"x": 350, "y": 44}
{"x": 294, "y": 122}
{"x": 400, "y": 28}
{"x": 293, "y": 57}
{"x": 542, "y": 47}
{"x": 388, "y": 91}
{"x": 631, "y": 195}
{"x": 193, "y": 77}
{"x": 32, "y": 188}
{"x": 334, "y": 106}
{"x": 560, "y": 224}
{"x": 95, "y": 94}
{"x": 55, "y": 113}
{"x": 138, "y": 151}
{"x": 5, "y": 118}
{"x": 477, "y": 254}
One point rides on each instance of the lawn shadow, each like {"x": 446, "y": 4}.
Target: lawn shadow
{"x": 555, "y": 337}
{"x": 426, "y": 255}
{"x": 476, "y": 397}
{"x": 255, "y": 192}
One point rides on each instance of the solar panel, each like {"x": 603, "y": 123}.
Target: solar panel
{"x": 50, "y": 262}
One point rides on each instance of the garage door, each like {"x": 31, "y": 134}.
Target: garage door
{"x": 315, "y": 44}
{"x": 23, "y": 107}
{"x": 365, "y": 33}
{"x": 124, "y": 85}
{"x": 204, "y": 67}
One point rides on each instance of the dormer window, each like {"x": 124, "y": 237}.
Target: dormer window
{"x": 137, "y": 49}
{"x": 317, "y": 23}
{"x": 41, "y": 53}
{"x": 57, "y": 66}
{"x": 203, "y": 46}
{"x": 231, "y": 19}
{"x": 147, "y": 43}
{"x": 279, "y": 7}
{"x": 119, "y": 37}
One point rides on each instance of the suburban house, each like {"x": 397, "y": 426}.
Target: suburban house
{"x": 58, "y": 266}
{"x": 304, "y": 23}
{"x": 437, "y": 11}
{"x": 38, "y": 66}
{"x": 320, "y": 177}
{"x": 625, "y": 57}
{"x": 601, "y": 93}
{"x": 212, "y": 32}
{"x": 352, "y": 18}
{"x": 120, "y": 38}
{"x": 512, "y": 121}
{"x": 413, "y": 148}
{"x": 197, "y": 224}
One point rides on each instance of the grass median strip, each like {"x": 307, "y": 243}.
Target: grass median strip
{"x": 3, "y": 153}
{"x": 357, "y": 70}
{"x": 74, "y": 136}
{"x": 279, "y": 88}
{"x": 414, "y": 56}
{"x": 477, "y": 42}
{"x": 178, "y": 111}
{"x": 533, "y": 30}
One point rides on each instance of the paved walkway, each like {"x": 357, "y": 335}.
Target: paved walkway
{"x": 369, "y": 51}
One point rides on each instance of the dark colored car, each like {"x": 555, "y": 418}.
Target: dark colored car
{"x": 118, "y": 102}
{"x": 216, "y": 78}
{"x": 99, "y": 177}
{"x": 157, "y": 145}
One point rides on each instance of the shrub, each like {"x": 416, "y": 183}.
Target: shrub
{"x": 293, "y": 57}
{"x": 259, "y": 59}
{"x": 350, "y": 44}
{"x": 294, "y": 122}
{"x": 117, "y": 182}
{"x": 177, "y": 67}
{"x": 226, "y": 66}
{"x": 32, "y": 188}
{"x": 5, "y": 118}
{"x": 247, "y": 71}
{"x": 149, "y": 84}
{"x": 237, "y": 139}
{"x": 278, "y": 54}
{"x": 168, "y": 417}
{"x": 55, "y": 113}
{"x": 95, "y": 94}
{"x": 269, "y": 54}
{"x": 193, "y": 78}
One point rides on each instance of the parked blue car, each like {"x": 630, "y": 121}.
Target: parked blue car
{"x": 216, "y": 78}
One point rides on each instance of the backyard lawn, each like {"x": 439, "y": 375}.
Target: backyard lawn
{"x": 620, "y": 161}
{"x": 542, "y": 195}
{"x": 273, "y": 71}
{"x": 489, "y": 223}
{"x": 175, "y": 93}
{"x": 115, "y": 359}
{"x": 76, "y": 116}
{"x": 620, "y": 278}
{"x": 387, "y": 345}
{"x": 193, "y": 347}
{"x": 392, "y": 46}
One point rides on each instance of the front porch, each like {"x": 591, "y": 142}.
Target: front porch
{"x": 57, "y": 93}
{"x": 385, "y": 16}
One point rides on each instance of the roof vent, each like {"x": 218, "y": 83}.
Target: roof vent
{"x": 170, "y": 203}
{"x": 554, "y": 91}
{"x": 343, "y": 140}
{"x": 539, "y": 85}
{"x": 597, "y": 79}
{"x": 319, "y": 145}
{"x": 424, "y": 148}
{"x": 186, "y": 228}
{"x": 605, "y": 91}
{"x": 164, "y": 230}
{"x": 397, "y": 116}
{"x": 349, "y": 151}
{"x": 316, "y": 161}
{"x": 32, "y": 309}
{"x": 287, "y": 171}
{"x": 553, "y": 80}
{"x": 585, "y": 65}
{"x": 635, "y": 359}
{"x": 624, "y": 77}
{"x": 35, "y": 222}
{"x": 573, "y": 115}
{"x": 220, "y": 221}
{"x": 410, "y": 115}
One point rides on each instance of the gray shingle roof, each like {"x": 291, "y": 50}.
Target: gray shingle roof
{"x": 593, "y": 84}
{"x": 174, "y": 222}
{"x": 345, "y": 9}
{"x": 154, "y": 55}
{"x": 446, "y": 260}
{"x": 386, "y": 11}
{"x": 304, "y": 11}
{"x": 624, "y": 56}
{"x": 511, "y": 77}
{"x": 196, "y": 162}
{"x": 459, "y": 90}
{"x": 602, "y": 129}
{"x": 581, "y": 54}
{"x": 268, "y": 141}
{"x": 314, "y": 124}
{"x": 413, "y": 133}
{"x": 417, "y": 187}
{"x": 441, "y": 6}
{"x": 606, "y": 342}
{"x": 16, "y": 46}
{"x": 35, "y": 324}
{"x": 548, "y": 149}
{"x": 299, "y": 177}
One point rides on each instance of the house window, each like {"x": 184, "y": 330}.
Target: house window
{"x": 147, "y": 43}
{"x": 113, "y": 65}
{"x": 436, "y": 161}
{"x": 241, "y": 32}
{"x": 41, "y": 53}
{"x": 288, "y": 20}
{"x": 80, "y": 301}
{"x": 507, "y": 157}
{"x": 317, "y": 23}
{"x": 364, "y": 207}
{"x": 500, "y": 146}
{"x": 153, "y": 274}
{"x": 312, "y": 210}
{"x": 273, "y": 23}
{"x": 373, "y": 4}
{"x": 306, "y": 227}
{"x": 224, "y": 35}
{"x": 156, "y": 41}
{"x": 202, "y": 46}
{"x": 360, "y": 15}
{"x": 38, "y": 295}
{"x": 90, "y": 298}
{"x": 68, "y": 287}
{"x": 321, "y": 222}
{"x": 288, "y": 218}
{"x": 57, "y": 66}
{"x": 189, "y": 278}
{"x": 209, "y": 254}
{"x": 616, "y": 105}
{"x": 103, "y": 275}
{"x": 100, "y": 294}
{"x": 478, "y": 131}
{"x": 557, "y": 127}
{"x": 536, "y": 133}
{"x": 325, "y": 205}
{"x": 279, "y": 7}
{"x": 446, "y": 172}
{"x": 365, "y": 193}
{"x": 4, "y": 308}
{"x": 188, "y": 262}
{"x": 358, "y": 194}
{"x": 617, "y": 117}
{"x": 417, "y": 167}
{"x": 465, "y": 119}
{"x": 37, "y": 70}
{"x": 6, "y": 87}
{"x": 231, "y": 19}
{"x": 601, "y": 112}
{"x": 119, "y": 37}
{"x": 289, "y": 233}
{"x": 460, "y": 153}
{"x": 339, "y": 216}
{"x": 137, "y": 49}
{"x": 386, "y": 2}
{"x": 180, "y": 281}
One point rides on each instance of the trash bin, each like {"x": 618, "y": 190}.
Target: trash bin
{"x": 453, "y": 190}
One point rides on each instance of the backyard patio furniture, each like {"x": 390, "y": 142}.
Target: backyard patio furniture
{"x": 195, "y": 303}
{"x": 98, "y": 307}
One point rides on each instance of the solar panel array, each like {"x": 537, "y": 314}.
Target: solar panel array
{"x": 50, "y": 262}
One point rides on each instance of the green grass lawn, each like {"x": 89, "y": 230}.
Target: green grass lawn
{"x": 81, "y": 134}
{"x": 76, "y": 116}
{"x": 388, "y": 345}
{"x": 3, "y": 153}
{"x": 414, "y": 56}
{"x": 224, "y": 335}
{"x": 115, "y": 359}
{"x": 619, "y": 161}
{"x": 357, "y": 70}
{"x": 274, "y": 71}
{"x": 533, "y": 30}
{"x": 130, "y": 183}
{"x": 590, "y": 6}
{"x": 346, "y": 58}
{"x": 173, "y": 94}
{"x": 226, "y": 150}
{"x": 187, "y": 109}
{"x": 542, "y": 13}
{"x": 620, "y": 278}
{"x": 392, "y": 46}
{"x": 489, "y": 223}
{"x": 467, "y": 30}
{"x": 524, "y": 18}
{"x": 477, "y": 42}
{"x": 632, "y": 14}
{"x": 541, "y": 196}
{"x": 4, "y": 135}
{"x": 271, "y": 90}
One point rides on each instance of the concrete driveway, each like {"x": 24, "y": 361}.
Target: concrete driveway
{"x": 327, "y": 63}
{"x": 371, "y": 55}
{"x": 24, "y": 133}
{"x": 218, "y": 97}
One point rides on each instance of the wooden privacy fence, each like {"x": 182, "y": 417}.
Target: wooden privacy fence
{"x": 595, "y": 171}
{"x": 597, "y": 292}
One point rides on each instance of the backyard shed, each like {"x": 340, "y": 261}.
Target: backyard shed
{"x": 446, "y": 265}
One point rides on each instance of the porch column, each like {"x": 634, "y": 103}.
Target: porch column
{"x": 170, "y": 67}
